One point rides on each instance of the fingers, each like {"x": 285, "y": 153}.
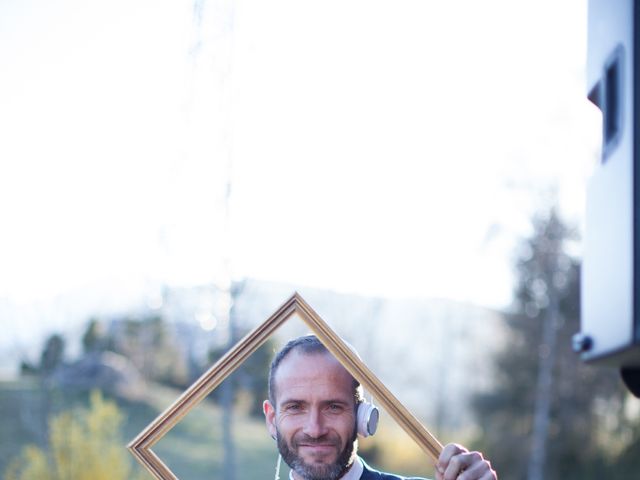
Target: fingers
{"x": 448, "y": 452}
{"x": 480, "y": 470}
{"x": 457, "y": 463}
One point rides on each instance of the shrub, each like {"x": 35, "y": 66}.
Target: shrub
{"x": 84, "y": 444}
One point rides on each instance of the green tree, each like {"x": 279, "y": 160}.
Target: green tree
{"x": 52, "y": 354}
{"x": 93, "y": 339}
{"x": 84, "y": 444}
{"x": 251, "y": 378}
{"x": 150, "y": 346}
{"x": 548, "y": 409}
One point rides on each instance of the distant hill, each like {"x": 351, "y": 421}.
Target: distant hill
{"x": 432, "y": 353}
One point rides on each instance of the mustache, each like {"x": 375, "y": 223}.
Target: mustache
{"x": 305, "y": 439}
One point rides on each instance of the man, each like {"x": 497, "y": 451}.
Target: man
{"x": 311, "y": 413}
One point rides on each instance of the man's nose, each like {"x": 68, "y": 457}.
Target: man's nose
{"x": 315, "y": 425}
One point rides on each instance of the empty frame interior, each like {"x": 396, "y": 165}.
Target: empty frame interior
{"x": 141, "y": 446}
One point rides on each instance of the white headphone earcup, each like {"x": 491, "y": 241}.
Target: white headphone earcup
{"x": 367, "y": 419}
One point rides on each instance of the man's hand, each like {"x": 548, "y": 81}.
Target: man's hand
{"x": 458, "y": 463}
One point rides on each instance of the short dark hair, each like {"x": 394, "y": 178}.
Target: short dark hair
{"x": 308, "y": 345}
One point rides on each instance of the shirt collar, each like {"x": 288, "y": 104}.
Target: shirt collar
{"x": 353, "y": 473}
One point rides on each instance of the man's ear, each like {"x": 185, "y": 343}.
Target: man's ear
{"x": 270, "y": 417}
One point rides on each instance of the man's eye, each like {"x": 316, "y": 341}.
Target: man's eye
{"x": 335, "y": 407}
{"x": 294, "y": 407}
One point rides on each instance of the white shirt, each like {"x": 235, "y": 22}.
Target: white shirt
{"x": 353, "y": 473}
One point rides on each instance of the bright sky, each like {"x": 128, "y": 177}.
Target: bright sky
{"x": 389, "y": 148}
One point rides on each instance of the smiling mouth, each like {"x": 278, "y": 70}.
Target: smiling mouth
{"x": 318, "y": 449}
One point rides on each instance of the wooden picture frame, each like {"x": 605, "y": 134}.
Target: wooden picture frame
{"x": 140, "y": 446}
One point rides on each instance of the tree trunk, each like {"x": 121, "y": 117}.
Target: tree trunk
{"x": 542, "y": 406}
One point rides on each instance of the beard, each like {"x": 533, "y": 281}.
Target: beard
{"x": 329, "y": 471}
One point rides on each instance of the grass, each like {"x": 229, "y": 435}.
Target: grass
{"x": 192, "y": 449}
{"x": 22, "y": 405}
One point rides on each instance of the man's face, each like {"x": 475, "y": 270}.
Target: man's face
{"x": 314, "y": 416}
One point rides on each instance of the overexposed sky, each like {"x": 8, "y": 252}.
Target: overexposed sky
{"x": 400, "y": 144}
{"x": 385, "y": 148}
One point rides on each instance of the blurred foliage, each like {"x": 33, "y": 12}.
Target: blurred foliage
{"x": 83, "y": 444}
{"x": 591, "y": 425}
{"x": 52, "y": 354}
{"x": 192, "y": 449}
{"x": 94, "y": 338}
{"x": 146, "y": 342}
{"x": 51, "y": 357}
{"x": 250, "y": 381}
{"x": 392, "y": 449}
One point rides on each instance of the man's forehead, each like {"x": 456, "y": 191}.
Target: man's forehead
{"x": 298, "y": 357}
{"x": 299, "y": 363}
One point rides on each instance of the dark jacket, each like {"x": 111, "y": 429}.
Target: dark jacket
{"x": 371, "y": 474}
